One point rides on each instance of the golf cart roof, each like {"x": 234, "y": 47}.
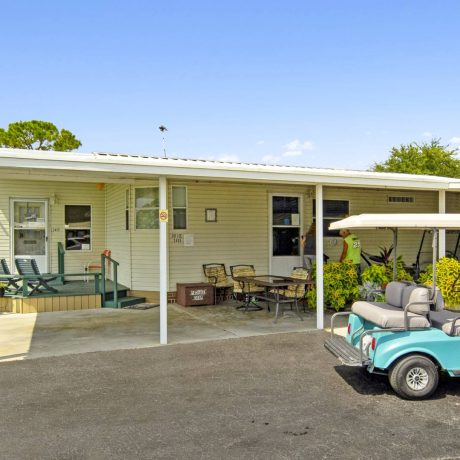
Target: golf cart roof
{"x": 409, "y": 221}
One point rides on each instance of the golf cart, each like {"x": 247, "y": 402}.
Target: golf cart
{"x": 410, "y": 337}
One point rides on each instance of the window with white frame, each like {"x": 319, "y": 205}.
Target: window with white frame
{"x": 77, "y": 223}
{"x": 179, "y": 205}
{"x": 147, "y": 205}
{"x": 333, "y": 210}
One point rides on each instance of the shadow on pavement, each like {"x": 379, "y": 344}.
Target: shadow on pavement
{"x": 374, "y": 384}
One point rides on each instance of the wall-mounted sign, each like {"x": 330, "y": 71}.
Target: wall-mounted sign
{"x": 164, "y": 215}
{"x": 210, "y": 215}
{"x": 189, "y": 240}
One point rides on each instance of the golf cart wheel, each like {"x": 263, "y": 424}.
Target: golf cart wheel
{"x": 414, "y": 377}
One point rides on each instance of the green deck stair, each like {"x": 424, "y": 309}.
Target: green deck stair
{"x": 117, "y": 297}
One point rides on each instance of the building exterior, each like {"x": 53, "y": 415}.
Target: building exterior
{"x": 218, "y": 212}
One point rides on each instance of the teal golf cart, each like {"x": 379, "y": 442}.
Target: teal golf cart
{"x": 410, "y": 337}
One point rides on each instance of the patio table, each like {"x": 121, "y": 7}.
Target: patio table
{"x": 272, "y": 285}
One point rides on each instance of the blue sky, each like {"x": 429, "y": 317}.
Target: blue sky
{"x": 323, "y": 83}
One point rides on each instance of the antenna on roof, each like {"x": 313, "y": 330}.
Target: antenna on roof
{"x": 163, "y": 128}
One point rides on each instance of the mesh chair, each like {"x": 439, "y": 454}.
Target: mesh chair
{"x": 218, "y": 277}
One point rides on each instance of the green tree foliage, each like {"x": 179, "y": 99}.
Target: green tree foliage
{"x": 430, "y": 158}
{"x": 38, "y": 135}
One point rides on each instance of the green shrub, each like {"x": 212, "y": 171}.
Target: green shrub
{"x": 401, "y": 273}
{"x": 376, "y": 274}
{"x": 447, "y": 272}
{"x": 340, "y": 285}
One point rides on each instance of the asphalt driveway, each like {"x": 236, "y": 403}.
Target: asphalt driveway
{"x": 277, "y": 396}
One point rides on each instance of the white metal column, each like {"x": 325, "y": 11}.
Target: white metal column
{"x": 164, "y": 269}
{"x": 319, "y": 258}
{"x": 442, "y": 233}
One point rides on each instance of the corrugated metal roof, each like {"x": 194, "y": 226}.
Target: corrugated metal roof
{"x": 145, "y": 165}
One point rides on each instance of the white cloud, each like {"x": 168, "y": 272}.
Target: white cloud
{"x": 271, "y": 159}
{"x": 260, "y": 142}
{"x": 293, "y": 153}
{"x": 427, "y": 134}
{"x": 296, "y": 144}
{"x": 229, "y": 158}
{"x": 455, "y": 140}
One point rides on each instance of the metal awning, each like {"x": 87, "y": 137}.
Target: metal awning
{"x": 400, "y": 221}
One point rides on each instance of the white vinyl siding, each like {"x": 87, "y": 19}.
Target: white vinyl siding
{"x": 59, "y": 194}
{"x": 118, "y": 239}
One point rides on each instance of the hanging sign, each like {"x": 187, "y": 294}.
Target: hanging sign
{"x": 163, "y": 215}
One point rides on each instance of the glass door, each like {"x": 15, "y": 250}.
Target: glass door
{"x": 285, "y": 228}
{"x": 30, "y": 231}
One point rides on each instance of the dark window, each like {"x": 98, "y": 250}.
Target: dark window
{"x": 333, "y": 210}
{"x": 77, "y": 227}
{"x": 283, "y": 209}
{"x": 285, "y": 241}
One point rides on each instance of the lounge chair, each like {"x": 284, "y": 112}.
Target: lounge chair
{"x": 218, "y": 277}
{"x": 28, "y": 267}
{"x": 12, "y": 283}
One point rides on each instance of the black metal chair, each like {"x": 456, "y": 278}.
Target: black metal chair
{"x": 12, "y": 286}
{"x": 217, "y": 276}
{"x": 27, "y": 267}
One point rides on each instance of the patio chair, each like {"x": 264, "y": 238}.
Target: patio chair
{"x": 245, "y": 288}
{"x": 27, "y": 267}
{"x": 12, "y": 283}
{"x": 218, "y": 277}
{"x": 296, "y": 292}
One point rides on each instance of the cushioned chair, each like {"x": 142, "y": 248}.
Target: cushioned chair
{"x": 296, "y": 292}
{"x": 12, "y": 286}
{"x": 218, "y": 277}
{"x": 244, "y": 287}
{"x": 38, "y": 284}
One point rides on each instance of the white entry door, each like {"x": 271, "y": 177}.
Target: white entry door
{"x": 29, "y": 232}
{"x": 285, "y": 223}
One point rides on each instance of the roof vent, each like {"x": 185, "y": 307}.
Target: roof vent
{"x": 401, "y": 199}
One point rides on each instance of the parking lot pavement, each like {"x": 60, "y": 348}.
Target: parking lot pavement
{"x": 277, "y": 396}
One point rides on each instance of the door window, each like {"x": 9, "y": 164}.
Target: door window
{"x": 285, "y": 226}
{"x": 29, "y": 228}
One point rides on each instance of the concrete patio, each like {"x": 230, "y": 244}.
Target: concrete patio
{"x": 28, "y": 336}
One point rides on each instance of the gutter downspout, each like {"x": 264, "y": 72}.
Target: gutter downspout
{"x": 164, "y": 269}
{"x": 319, "y": 259}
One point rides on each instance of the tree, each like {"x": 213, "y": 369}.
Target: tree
{"x": 38, "y": 135}
{"x": 429, "y": 158}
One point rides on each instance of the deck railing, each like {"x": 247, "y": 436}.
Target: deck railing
{"x": 61, "y": 265}
{"x": 104, "y": 261}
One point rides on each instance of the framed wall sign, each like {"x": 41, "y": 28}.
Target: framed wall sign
{"x": 210, "y": 215}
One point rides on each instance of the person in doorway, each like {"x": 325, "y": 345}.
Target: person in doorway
{"x": 351, "y": 250}
{"x": 309, "y": 247}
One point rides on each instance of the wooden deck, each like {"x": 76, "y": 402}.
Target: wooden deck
{"x": 73, "y": 295}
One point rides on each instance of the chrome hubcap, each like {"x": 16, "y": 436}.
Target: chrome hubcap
{"x": 417, "y": 378}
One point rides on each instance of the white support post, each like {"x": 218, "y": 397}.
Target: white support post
{"x": 442, "y": 233}
{"x": 164, "y": 270}
{"x": 319, "y": 258}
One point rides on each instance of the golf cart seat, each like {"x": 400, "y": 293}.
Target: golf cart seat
{"x": 402, "y": 300}
{"x": 447, "y": 321}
